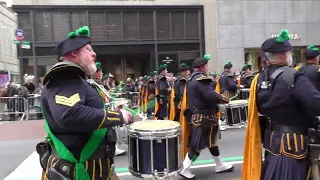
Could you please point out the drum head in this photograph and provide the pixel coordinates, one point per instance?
(238, 102)
(155, 128)
(150, 125)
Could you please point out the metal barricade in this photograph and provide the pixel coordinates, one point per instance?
(11, 108)
(34, 109)
(132, 96)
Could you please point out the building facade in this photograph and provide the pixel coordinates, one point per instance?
(9, 63)
(243, 25)
(131, 38)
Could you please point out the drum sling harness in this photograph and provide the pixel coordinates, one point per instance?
(91, 146)
(288, 76)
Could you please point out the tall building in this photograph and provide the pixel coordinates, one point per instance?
(9, 63)
(243, 25)
(133, 37)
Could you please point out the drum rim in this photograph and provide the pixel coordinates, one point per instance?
(155, 130)
(140, 175)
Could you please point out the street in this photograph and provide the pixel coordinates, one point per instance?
(18, 159)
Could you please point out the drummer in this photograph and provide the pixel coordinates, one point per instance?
(177, 92)
(284, 97)
(76, 120)
(246, 77)
(202, 105)
(162, 93)
(227, 83)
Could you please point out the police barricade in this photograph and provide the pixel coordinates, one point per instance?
(132, 96)
(13, 108)
(34, 109)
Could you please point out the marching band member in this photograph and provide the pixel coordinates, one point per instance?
(141, 101)
(162, 93)
(246, 77)
(177, 92)
(202, 101)
(227, 83)
(80, 142)
(150, 93)
(284, 97)
(97, 76)
(311, 69)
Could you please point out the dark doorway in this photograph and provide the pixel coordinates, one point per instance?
(123, 66)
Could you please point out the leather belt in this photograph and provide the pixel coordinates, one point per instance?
(287, 128)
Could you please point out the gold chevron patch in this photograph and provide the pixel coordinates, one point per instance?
(71, 101)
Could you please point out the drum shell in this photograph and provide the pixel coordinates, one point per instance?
(154, 153)
(244, 93)
(235, 113)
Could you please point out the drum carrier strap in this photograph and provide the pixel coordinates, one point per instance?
(288, 76)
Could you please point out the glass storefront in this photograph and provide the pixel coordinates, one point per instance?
(252, 54)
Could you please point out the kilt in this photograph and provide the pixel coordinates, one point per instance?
(286, 156)
(203, 137)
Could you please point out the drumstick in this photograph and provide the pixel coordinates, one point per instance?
(232, 98)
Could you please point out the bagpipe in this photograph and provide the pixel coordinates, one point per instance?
(114, 102)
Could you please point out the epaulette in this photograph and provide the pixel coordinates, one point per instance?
(203, 78)
(230, 75)
(64, 67)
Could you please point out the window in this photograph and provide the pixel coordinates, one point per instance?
(42, 26)
(78, 19)
(129, 25)
(24, 23)
(61, 25)
(113, 25)
(163, 25)
(177, 24)
(146, 25)
(97, 26)
(192, 24)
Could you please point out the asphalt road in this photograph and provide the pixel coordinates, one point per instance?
(18, 141)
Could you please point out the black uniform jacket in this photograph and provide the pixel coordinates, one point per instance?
(162, 86)
(74, 108)
(178, 87)
(200, 92)
(228, 83)
(313, 74)
(245, 80)
(296, 106)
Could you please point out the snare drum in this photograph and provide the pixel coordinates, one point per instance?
(235, 112)
(244, 93)
(154, 148)
(122, 134)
